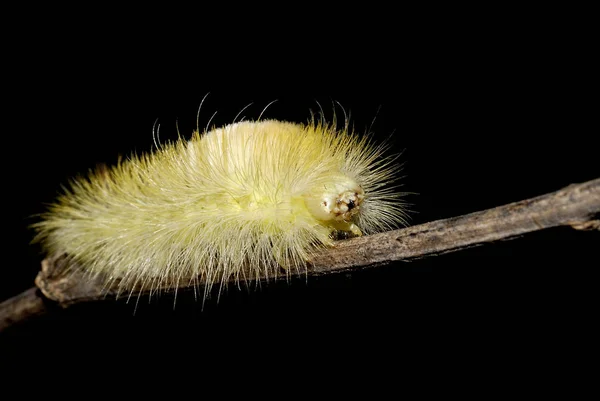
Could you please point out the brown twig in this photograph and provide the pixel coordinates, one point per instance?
(22, 307)
(577, 206)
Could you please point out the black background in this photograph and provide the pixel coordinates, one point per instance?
(486, 111)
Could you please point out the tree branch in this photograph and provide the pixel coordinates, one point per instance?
(577, 206)
(22, 307)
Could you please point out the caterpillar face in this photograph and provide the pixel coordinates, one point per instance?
(339, 202)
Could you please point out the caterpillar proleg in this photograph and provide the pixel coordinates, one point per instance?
(250, 199)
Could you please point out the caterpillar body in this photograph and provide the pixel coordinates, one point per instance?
(251, 199)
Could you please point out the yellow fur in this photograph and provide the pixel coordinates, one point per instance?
(249, 194)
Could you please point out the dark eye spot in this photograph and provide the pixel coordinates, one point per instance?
(351, 204)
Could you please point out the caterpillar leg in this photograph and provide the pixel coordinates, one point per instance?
(349, 227)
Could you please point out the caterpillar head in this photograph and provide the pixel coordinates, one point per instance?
(336, 203)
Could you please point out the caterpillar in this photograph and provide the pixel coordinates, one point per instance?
(247, 200)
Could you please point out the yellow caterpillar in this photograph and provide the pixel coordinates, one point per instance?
(256, 196)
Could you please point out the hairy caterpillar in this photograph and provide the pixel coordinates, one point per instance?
(251, 199)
